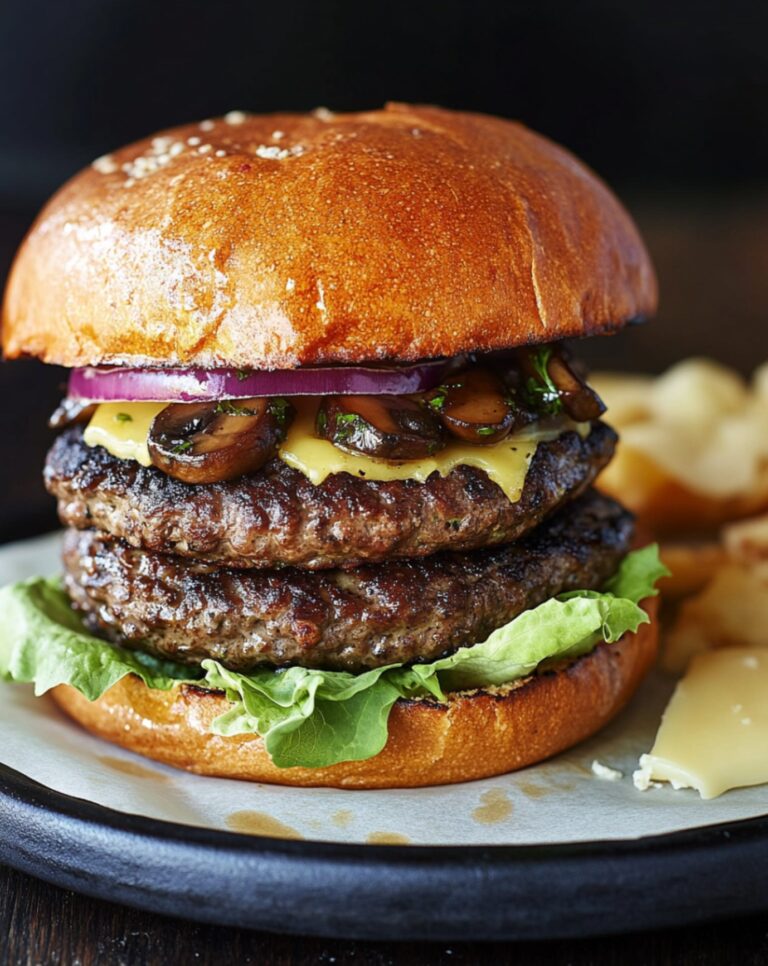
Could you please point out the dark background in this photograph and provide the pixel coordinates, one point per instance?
(666, 100)
(653, 95)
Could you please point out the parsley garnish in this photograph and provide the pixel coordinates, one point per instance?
(124, 417)
(437, 402)
(485, 430)
(279, 408)
(346, 424)
(242, 374)
(438, 396)
(540, 390)
(182, 447)
(226, 407)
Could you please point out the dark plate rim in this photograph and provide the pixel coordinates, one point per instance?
(33, 793)
(389, 892)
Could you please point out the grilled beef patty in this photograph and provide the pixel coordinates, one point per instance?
(277, 517)
(350, 620)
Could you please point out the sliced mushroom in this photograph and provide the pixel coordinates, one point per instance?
(580, 401)
(551, 385)
(474, 406)
(208, 442)
(71, 411)
(386, 427)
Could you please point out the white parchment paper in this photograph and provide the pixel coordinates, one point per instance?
(557, 801)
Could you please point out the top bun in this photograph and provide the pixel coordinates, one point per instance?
(282, 240)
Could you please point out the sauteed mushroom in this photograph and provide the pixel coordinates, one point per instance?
(474, 406)
(208, 442)
(550, 384)
(387, 427)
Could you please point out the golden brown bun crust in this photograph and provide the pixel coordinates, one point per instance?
(475, 736)
(404, 233)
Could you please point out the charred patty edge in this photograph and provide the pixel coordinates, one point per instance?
(401, 611)
(278, 518)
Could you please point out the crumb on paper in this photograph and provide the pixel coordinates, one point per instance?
(642, 777)
(605, 772)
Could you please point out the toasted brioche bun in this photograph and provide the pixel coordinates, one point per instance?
(281, 240)
(476, 735)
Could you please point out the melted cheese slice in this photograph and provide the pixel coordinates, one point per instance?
(714, 733)
(506, 463)
(123, 428)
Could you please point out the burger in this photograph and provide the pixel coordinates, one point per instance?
(326, 455)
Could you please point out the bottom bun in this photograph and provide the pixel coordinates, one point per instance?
(477, 734)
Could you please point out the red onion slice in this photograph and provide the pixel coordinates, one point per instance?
(115, 384)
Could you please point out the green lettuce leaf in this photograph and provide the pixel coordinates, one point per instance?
(318, 718)
(306, 717)
(43, 642)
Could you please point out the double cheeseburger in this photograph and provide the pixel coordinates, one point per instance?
(325, 460)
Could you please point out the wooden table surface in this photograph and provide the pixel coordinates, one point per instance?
(712, 257)
(40, 924)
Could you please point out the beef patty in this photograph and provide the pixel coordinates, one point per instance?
(351, 620)
(277, 517)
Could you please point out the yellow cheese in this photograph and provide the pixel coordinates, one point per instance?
(122, 429)
(714, 733)
(506, 463)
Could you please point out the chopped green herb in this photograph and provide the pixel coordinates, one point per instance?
(226, 407)
(437, 402)
(124, 417)
(242, 374)
(280, 408)
(346, 424)
(182, 447)
(322, 422)
(453, 523)
(540, 390)
(485, 430)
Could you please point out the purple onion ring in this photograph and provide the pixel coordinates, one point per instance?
(117, 384)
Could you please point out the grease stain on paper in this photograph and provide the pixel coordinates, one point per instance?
(536, 790)
(495, 807)
(260, 823)
(387, 838)
(342, 818)
(131, 768)
(532, 790)
(580, 766)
